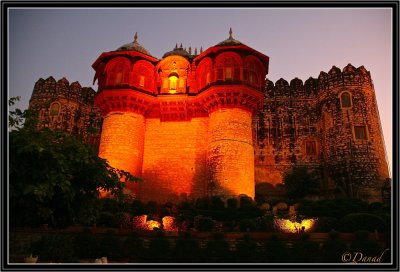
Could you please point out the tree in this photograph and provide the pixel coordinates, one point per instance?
(300, 182)
(54, 177)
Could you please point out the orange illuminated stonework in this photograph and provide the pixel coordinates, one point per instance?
(182, 123)
(202, 124)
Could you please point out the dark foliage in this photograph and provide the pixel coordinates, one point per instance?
(300, 182)
(334, 248)
(217, 250)
(54, 248)
(306, 250)
(275, 251)
(187, 249)
(366, 246)
(361, 221)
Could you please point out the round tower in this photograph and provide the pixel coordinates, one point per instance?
(231, 79)
(125, 89)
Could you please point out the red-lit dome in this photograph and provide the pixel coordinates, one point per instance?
(135, 46)
(230, 40)
(179, 51)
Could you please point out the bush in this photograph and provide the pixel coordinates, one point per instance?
(138, 207)
(361, 221)
(202, 223)
(334, 248)
(85, 245)
(326, 224)
(246, 250)
(232, 203)
(132, 248)
(108, 220)
(305, 250)
(275, 251)
(159, 249)
(187, 249)
(217, 203)
(246, 202)
(247, 225)
(265, 207)
(282, 206)
(265, 223)
(109, 246)
(55, 248)
(217, 249)
(363, 244)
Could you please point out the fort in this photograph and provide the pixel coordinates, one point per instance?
(213, 124)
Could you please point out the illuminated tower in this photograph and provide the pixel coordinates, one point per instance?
(125, 79)
(231, 79)
(182, 123)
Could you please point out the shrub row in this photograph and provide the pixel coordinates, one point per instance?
(61, 248)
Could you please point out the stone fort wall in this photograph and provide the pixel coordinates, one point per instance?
(311, 123)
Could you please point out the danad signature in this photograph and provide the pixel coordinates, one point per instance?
(359, 257)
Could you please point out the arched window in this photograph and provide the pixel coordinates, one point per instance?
(141, 81)
(173, 80)
(228, 73)
(55, 109)
(345, 100)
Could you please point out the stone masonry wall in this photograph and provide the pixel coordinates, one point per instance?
(307, 124)
(122, 141)
(231, 153)
(174, 159)
(76, 113)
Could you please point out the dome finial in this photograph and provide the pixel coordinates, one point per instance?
(230, 33)
(135, 37)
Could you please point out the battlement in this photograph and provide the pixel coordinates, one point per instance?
(50, 88)
(348, 76)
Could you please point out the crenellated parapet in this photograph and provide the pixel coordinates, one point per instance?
(50, 88)
(66, 107)
(330, 121)
(326, 82)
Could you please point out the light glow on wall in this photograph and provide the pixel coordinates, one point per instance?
(140, 223)
(288, 226)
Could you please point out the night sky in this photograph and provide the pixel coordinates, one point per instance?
(299, 42)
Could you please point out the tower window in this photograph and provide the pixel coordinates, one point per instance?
(55, 109)
(311, 148)
(360, 133)
(173, 80)
(228, 73)
(118, 78)
(141, 81)
(208, 78)
(345, 100)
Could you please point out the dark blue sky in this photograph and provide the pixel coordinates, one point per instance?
(299, 42)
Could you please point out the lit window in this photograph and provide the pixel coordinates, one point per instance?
(141, 81)
(253, 78)
(228, 73)
(345, 100)
(208, 78)
(360, 132)
(311, 148)
(172, 83)
(54, 109)
(118, 78)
